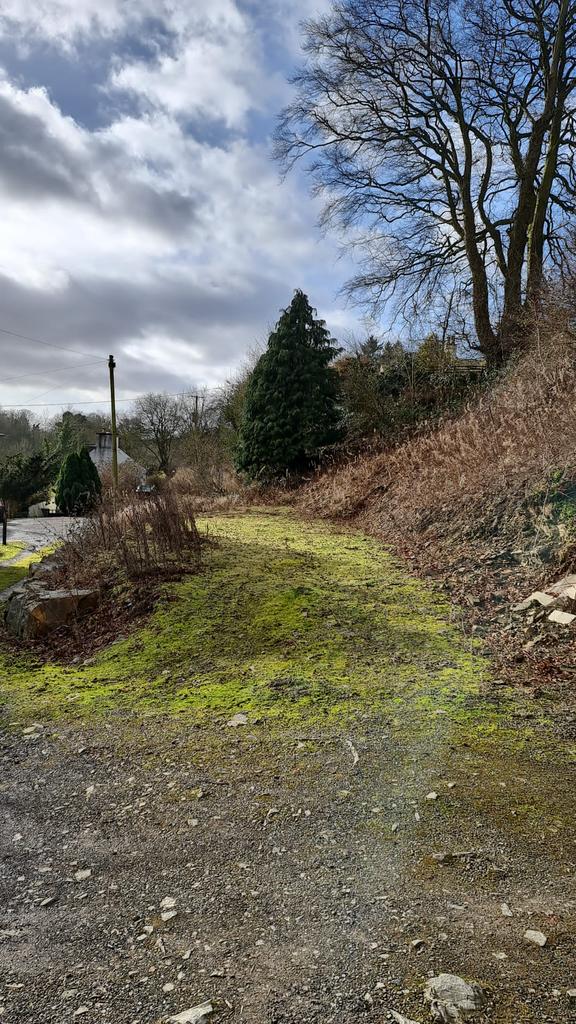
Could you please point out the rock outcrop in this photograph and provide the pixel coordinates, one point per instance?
(32, 609)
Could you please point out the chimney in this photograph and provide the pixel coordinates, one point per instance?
(104, 441)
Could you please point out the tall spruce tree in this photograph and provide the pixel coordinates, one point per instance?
(291, 410)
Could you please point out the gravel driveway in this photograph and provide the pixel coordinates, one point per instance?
(150, 866)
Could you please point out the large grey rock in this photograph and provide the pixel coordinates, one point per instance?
(452, 1000)
(32, 611)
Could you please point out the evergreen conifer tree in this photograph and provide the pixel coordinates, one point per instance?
(292, 402)
(78, 486)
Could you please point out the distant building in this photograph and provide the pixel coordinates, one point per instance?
(101, 455)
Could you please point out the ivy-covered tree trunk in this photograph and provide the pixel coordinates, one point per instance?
(292, 403)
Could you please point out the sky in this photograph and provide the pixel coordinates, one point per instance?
(142, 212)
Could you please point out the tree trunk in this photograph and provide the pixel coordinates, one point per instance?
(555, 106)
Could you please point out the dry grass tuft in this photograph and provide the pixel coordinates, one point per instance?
(132, 539)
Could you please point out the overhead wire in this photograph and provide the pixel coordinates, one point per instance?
(59, 369)
(80, 401)
(49, 344)
(47, 405)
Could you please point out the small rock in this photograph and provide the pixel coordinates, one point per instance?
(168, 987)
(417, 944)
(505, 909)
(168, 903)
(400, 1018)
(497, 872)
(432, 796)
(564, 585)
(535, 937)
(452, 1000)
(238, 719)
(196, 1015)
(168, 915)
(562, 618)
(48, 901)
(541, 597)
(83, 874)
(571, 993)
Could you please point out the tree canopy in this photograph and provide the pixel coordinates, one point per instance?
(25, 478)
(445, 129)
(291, 409)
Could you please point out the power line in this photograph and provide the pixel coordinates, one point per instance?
(101, 401)
(41, 373)
(49, 344)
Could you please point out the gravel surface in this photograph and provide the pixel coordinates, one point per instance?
(150, 865)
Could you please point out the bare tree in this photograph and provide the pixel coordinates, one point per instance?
(154, 427)
(443, 131)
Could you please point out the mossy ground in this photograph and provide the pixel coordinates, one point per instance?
(9, 551)
(292, 622)
(18, 567)
(286, 620)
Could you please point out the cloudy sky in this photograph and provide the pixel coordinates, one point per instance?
(141, 211)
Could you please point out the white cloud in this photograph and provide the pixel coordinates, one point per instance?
(215, 72)
(172, 248)
(64, 21)
(61, 20)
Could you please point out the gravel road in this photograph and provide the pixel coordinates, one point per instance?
(150, 865)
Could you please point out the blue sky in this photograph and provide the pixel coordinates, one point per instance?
(142, 212)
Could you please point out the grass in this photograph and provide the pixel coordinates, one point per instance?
(10, 550)
(17, 570)
(286, 621)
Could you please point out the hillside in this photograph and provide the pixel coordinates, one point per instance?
(484, 501)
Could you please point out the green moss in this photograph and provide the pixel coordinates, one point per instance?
(17, 570)
(286, 620)
(10, 551)
(290, 622)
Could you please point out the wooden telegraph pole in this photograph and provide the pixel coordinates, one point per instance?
(112, 367)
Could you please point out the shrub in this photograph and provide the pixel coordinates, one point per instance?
(78, 486)
(133, 539)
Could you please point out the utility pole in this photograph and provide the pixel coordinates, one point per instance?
(112, 367)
